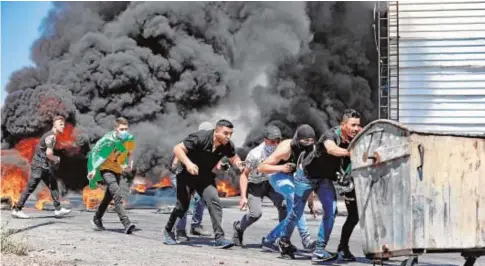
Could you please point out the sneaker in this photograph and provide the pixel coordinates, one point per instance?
(224, 243)
(61, 212)
(269, 246)
(309, 244)
(129, 229)
(98, 224)
(237, 237)
(19, 214)
(182, 236)
(169, 238)
(345, 254)
(199, 231)
(286, 248)
(320, 254)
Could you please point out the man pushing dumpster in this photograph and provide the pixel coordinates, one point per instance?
(317, 171)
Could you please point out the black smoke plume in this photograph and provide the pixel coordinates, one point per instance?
(168, 66)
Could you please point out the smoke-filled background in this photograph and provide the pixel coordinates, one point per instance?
(168, 66)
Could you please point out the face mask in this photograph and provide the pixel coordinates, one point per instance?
(305, 146)
(269, 149)
(124, 135)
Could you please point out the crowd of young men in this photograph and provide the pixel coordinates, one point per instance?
(285, 171)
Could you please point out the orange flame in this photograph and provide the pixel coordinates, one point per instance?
(14, 178)
(141, 188)
(92, 197)
(225, 189)
(164, 182)
(43, 197)
(13, 182)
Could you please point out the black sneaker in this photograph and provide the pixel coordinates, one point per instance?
(169, 238)
(199, 231)
(182, 236)
(98, 224)
(237, 237)
(345, 254)
(286, 248)
(224, 243)
(129, 229)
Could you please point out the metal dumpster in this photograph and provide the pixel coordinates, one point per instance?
(419, 192)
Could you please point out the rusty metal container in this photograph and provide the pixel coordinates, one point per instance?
(419, 192)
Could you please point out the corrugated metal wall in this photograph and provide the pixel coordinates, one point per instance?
(440, 73)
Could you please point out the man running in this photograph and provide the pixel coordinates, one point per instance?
(281, 166)
(42, 168)
(254, 185)
(199, 153)
(317, 171)
(111, 156)
(196, 227)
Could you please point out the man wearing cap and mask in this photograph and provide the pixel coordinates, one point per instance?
(316, 171)
(280, 167)
(254, 185)
(196, 227)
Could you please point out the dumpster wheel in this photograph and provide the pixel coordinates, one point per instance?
(470, 261)
(411, 261)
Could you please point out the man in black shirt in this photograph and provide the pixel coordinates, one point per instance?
(199, 153)
(317, 171)
(42, 168)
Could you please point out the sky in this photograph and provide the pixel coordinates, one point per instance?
(20, 28)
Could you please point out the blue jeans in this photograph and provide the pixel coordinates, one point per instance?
(327, 196)
(283, 184)
(198, 212)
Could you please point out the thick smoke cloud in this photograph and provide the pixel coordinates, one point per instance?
(167, 66)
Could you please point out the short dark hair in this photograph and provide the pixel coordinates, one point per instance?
(224, 123)
(121, 121)
(350, 113)
(58, 117)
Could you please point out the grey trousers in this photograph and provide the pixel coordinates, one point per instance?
(36, 175)
(113, 192)
(256, 193)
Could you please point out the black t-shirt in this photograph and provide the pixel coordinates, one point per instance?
(48, 140)
(199, 146)
(320, 164)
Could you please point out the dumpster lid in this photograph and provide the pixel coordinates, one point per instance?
(403, 127)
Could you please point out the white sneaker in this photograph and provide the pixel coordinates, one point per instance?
(19, 214)
(62, 212)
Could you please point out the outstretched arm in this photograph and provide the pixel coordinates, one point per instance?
(282, 152)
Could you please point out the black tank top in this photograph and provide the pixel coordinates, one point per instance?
(40, 158)
(294, 154)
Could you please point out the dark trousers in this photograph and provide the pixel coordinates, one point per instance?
(256, 193)
(113, 192)
(205, 186)
(351, 221)
(36, 175)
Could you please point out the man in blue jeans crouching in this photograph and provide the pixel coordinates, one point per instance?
(316, 171)
(280, 167)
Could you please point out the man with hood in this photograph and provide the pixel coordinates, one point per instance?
(280, 166)
(316, 171)
(255, 186)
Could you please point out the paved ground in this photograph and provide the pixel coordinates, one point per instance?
(71, 241)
